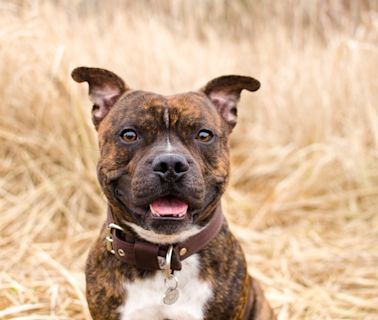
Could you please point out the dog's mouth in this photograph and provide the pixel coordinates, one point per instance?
(168, 207)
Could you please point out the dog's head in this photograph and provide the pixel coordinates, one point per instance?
(163, 159)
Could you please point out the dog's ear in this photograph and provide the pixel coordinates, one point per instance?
(105, 87)
(224, 93)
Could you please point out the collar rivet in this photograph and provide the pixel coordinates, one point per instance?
(121, 252)
(183, 251)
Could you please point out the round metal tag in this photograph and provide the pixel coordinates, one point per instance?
(171, 296)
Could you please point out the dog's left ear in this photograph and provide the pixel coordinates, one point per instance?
(105, 87)
(224, 93)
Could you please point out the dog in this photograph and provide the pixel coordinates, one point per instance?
(165, 250)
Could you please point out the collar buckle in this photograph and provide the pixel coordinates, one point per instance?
(109, 237)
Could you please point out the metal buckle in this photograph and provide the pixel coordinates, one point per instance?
(109, 237)
(165, 264)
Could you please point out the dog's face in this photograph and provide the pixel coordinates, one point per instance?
(163, 159)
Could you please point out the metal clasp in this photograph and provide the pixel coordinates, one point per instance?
(171, 293)
(109, 237)
(165, 264)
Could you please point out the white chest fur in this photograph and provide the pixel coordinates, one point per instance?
(145, 296)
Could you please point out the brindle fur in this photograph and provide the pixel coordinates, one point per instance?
(126, 179)
(222, 263)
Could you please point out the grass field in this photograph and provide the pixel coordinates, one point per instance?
(303, 197)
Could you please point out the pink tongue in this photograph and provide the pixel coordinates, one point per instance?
(168, 206)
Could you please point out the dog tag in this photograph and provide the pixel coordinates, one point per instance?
(171, 296)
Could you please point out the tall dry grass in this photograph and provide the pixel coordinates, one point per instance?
(304, 192)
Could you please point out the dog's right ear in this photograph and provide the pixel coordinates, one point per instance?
(105, 87)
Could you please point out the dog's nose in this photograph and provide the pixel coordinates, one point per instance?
(170, 166)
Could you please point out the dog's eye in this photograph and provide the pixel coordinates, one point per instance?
(204, 136)
(129, 135)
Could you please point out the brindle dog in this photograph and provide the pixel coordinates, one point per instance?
(163, 167)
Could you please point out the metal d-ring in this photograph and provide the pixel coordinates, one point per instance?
(168, 260)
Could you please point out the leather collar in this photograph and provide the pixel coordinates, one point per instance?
(151, 256)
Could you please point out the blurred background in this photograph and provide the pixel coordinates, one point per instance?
(303, 198)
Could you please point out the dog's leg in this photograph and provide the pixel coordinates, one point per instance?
(261, 309)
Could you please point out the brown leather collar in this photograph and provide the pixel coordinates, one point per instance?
(151, 256)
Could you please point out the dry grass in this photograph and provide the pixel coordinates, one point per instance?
(304, 194)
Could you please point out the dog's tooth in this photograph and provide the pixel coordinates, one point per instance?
(153, 211)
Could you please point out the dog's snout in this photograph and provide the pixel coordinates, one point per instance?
(170, 166)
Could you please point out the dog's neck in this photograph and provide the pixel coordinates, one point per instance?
(146, 249)
(159, 238)
(134, 231)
